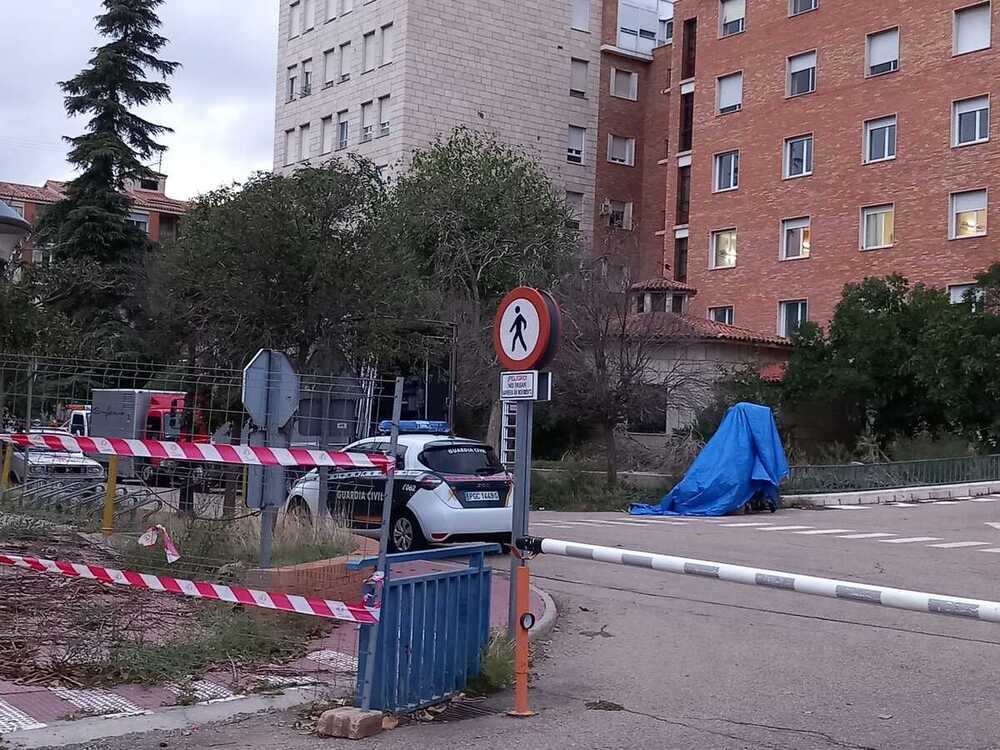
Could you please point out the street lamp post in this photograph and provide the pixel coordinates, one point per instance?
(12, 230)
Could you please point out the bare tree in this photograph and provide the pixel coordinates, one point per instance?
(621, 364)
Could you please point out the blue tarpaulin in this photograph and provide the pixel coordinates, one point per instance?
(744, 457)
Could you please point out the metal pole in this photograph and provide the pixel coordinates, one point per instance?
(8, 459)
(108, 519)
(383, 545)
(322, 506)
(521, 653)
(522, 499)
(31, 388)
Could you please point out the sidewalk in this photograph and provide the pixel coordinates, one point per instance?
(329, 666)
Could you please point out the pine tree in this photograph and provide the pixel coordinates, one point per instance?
(91, 221)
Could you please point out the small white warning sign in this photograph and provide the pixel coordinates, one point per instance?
(519, 386)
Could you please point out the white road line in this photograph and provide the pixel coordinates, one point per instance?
(872, 535)
(944, 502)
(903, 505)
(911, 540)
(995, 550)
(957, 545)
(986, 499)
(785, 528)
(620, 523)
(817, 532)
(552, 526)
(849, 507)
(740, 525)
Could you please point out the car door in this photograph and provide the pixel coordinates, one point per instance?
(355, 495)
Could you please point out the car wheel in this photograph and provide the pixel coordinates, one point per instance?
(405, 534)
(298, 509)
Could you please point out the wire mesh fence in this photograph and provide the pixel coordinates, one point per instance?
(63, 504)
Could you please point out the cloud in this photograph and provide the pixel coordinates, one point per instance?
(222, 108)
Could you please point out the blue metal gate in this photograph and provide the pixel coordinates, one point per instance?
(431, 632)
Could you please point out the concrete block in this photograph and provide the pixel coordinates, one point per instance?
(349, 722)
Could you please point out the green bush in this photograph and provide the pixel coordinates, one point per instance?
(575, 490)
(496, 671)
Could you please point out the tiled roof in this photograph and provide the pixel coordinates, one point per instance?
(667, 285)
(53, 191)
(671, 325)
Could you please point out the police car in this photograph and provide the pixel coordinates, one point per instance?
(447, 489)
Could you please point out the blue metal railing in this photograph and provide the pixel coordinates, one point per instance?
(891, 475)
(431, 631)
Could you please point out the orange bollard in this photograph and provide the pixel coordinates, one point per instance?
(524, 622)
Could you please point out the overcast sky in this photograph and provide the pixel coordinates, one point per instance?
(222, 108)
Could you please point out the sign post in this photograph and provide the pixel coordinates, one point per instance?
(271, 398)
(526, 339)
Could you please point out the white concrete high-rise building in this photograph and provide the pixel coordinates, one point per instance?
(382, 77)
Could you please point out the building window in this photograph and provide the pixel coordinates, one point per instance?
(578, 70)
(343, 129)
(968, 214)
(683, 194)
(329, 67)
(796, 238)
(368, 51)
(308, 15)
(686, 134)
(801, 6)
(680, 259)
(880, 139)
(624, 84)
(367, 121)
(957, 293)
(791, 314)
(18, 208)
(729, 93)
(574, 144)
(878, 226)
(732, 17)
(723, 249)
(386, 45)
(621, 150)
(145, 184)
(802, 74)
(690, 51)
(580, 19)
(972, 28)
(293, 81)
(574, 202)
(721, 314)
(291, 155)
(345, 61)
(637, 26)
(305, 145)
(620, 215)
(327, 133)
(294, 20)
(799, 156)
(971, 121)
(139, 220)
(384, 115)
(307, 77)
(727, 171)
(882, 50)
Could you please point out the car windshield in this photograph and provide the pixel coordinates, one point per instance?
(466, 458)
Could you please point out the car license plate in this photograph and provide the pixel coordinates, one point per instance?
(482, 497)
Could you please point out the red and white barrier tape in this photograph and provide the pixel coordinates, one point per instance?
(303, 605)
(251, 455)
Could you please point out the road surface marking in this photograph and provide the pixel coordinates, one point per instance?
(911, 540)
(873, 535)
(985, 499)
(849, 507)
(817, 532)
(994, 525)
(944, 502)
(903, 505)
(738, 525)
(991, 549)
(957, 545)
(620, 523)
(785, 528)
(550, 525)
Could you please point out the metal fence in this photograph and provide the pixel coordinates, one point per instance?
(891, 475)
(68, 631)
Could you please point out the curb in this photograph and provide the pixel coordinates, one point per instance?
(58, 734)
(548, 621)
(900, 495)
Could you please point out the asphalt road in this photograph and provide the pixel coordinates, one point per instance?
(688, 662)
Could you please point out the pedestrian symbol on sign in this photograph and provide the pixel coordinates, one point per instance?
(518, 330)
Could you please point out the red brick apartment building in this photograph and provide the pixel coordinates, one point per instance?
(151, 209)
(787, 147)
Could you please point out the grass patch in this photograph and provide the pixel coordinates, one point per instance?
(573, 490)
(225, 635)
(496, 671)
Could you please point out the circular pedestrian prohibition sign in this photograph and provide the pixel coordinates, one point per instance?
(525, 332)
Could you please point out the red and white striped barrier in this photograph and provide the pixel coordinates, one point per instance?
(303, 605)
(250, 455)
